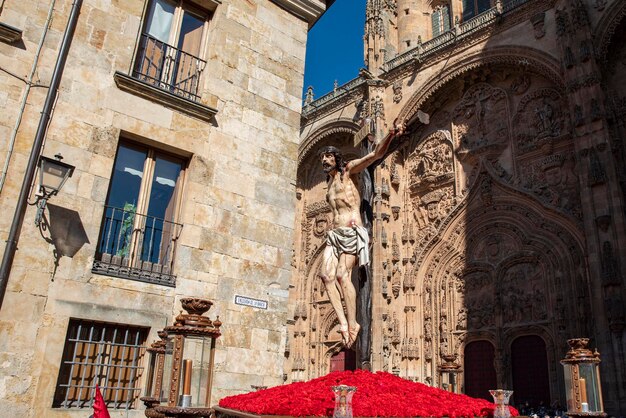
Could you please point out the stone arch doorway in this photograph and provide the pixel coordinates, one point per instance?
(343, 360)
(529, 362)
(480, 373)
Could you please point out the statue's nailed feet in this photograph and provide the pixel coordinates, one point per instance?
(345, 335)
(353, 332)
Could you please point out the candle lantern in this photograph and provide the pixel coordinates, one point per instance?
(188, 354)
(154, 380)
(449, 373)
(153, 394)
(582, 380)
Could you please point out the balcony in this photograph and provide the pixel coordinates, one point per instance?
(167, 75)
(137, 247)
(456, 34)
(168, 68)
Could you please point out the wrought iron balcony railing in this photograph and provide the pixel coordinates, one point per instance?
(424, 50)
(168, 68)
(137, 247)
(328, 97)
(456, 34)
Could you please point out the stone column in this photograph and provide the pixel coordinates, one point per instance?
(599, 188)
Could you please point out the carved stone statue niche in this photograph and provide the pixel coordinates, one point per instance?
(481, 121)
(539, 120)
(431, 164)
(554, 181)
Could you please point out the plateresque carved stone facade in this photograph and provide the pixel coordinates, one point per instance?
(230, 120)
(501, 222)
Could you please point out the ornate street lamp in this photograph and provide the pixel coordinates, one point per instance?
(449, 373)
(181, 364)
(582, 380)
(52, 176)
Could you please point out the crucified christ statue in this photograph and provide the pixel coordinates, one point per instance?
(348, 240)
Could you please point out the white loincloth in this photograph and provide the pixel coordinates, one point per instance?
(350, 240)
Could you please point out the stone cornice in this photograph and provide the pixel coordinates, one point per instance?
(167, 99)
(9, 34)
(333, 100)
(308, 10)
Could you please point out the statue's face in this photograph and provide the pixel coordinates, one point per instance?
(433, 210)
(553, 176)
(329, 163)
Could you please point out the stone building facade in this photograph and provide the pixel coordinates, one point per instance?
(498, 226)
(182, 120)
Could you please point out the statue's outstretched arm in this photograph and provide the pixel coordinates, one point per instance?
(359, 164)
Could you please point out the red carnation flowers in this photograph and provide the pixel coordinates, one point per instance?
(378, 395)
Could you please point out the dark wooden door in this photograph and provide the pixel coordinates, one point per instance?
(480, 373)
(529, 362)
(343, 360)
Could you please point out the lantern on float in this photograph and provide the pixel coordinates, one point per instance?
(582, 380)
(180, 373)
(449, 373)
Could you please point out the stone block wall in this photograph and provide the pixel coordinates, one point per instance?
(238, 200)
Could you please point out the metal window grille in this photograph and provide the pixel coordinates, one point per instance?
(168, 68)
(136, 246)
(103, 354)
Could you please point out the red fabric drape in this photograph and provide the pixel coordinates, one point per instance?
(99, 407)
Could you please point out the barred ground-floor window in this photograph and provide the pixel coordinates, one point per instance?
(105, 354)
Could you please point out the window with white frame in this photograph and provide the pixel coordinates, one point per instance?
(104, 354)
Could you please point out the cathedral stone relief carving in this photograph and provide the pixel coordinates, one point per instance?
(520, 84)
(431, 165)
(440, 280)
(321, 225)
(554, 181)
(494, 247)
(431, 179)
(479, 301)
(397, 91)
(538, 22)
(314, 227)
(523, 294)
(480, 121)
(539, 120)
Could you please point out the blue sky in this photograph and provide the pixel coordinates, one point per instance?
(335, 47)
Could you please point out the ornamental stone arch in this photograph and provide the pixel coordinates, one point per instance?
(339, 126)
(552, 353)
(513, 247)
(606, 28)
(531, 59)
(473, 206)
